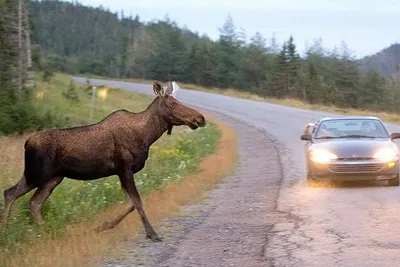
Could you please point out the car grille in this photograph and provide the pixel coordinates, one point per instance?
(354, 158)
(356, 168)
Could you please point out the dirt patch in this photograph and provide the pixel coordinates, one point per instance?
(82, 246)
(232, 227)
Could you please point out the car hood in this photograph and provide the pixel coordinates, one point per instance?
(349, 148)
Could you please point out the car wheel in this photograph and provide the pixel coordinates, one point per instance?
(394, 181)
(310, 181)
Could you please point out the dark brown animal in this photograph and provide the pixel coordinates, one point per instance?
(117, 145)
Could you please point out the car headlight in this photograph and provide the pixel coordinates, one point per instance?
(322, 156)
(386, 154)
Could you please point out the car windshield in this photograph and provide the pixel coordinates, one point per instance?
(351, 128)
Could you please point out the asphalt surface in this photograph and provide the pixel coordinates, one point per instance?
(328, 226)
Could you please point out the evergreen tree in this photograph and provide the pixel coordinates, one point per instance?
(292, 68)
(228, 54)
(6, 57)
(71, 92)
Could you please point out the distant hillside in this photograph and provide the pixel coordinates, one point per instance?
(81, 39)
(384, 62)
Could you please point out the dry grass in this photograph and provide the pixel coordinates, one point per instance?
(10, 159)
(386, 116)
(82, 247)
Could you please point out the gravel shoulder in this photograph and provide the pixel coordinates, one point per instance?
(231, 227)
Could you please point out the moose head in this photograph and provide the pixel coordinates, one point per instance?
(174, 112)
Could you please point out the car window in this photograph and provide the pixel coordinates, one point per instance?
(368, 128)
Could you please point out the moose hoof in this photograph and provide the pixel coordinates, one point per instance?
(154, 237)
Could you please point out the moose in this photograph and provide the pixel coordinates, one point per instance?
(117, 145)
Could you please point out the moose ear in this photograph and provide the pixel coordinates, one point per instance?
(175, 87)
(157, 88)
(169, 88)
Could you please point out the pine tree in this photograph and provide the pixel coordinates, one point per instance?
(6, 57)
(255, 63)
(71, 92)
(292, 68)
(228, 54)
(279, 74)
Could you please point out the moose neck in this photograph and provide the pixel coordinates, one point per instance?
(154, 124)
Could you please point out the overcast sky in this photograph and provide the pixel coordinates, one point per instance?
(364, 25)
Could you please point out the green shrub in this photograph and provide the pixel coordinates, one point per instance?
(24, 116)
(47, 75)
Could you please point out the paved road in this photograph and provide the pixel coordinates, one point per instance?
(345, 226)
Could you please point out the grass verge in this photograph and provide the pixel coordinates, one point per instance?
(75, 205)
(81, 246)
(386, 116)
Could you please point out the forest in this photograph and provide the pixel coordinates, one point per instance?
(57, 36)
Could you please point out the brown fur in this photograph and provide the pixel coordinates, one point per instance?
(117, 145)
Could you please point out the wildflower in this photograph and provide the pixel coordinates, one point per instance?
(182, 165)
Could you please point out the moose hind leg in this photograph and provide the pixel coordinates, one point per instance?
(111, 224)
(40, 196)
(128, 183)
(13, 193)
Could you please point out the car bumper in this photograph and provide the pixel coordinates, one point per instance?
(354, 170)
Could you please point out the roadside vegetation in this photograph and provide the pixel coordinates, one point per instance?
(80, 245)
(74, 202)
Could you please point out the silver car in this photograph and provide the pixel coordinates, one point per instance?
(351, 148)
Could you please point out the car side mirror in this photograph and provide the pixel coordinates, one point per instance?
(395, 136)
(307, 137)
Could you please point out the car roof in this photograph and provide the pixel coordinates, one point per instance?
(350, 118)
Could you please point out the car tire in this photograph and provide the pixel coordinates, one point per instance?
(394, 181)
(310, 181)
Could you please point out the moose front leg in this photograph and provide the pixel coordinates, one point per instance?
(128, 183)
